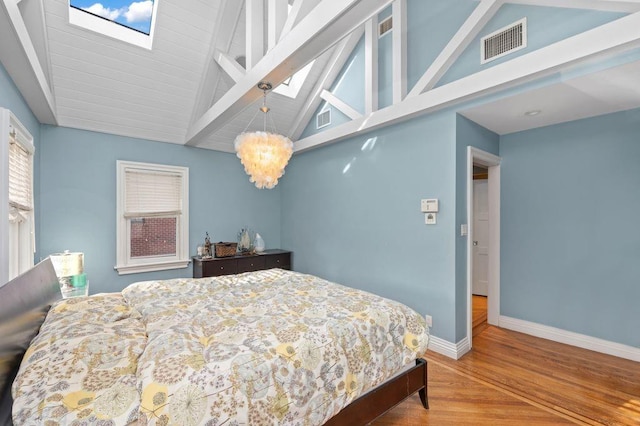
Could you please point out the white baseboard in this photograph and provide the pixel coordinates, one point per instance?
(570, 338)
(447, 348)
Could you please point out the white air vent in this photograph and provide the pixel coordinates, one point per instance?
(385, 26)
(504, 41)
(323, 118)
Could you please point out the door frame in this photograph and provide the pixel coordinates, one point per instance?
(492, 163)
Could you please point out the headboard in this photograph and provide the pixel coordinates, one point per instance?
(24, 303)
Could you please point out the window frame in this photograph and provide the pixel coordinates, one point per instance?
(125, 263)
(15, 260)
(106, 27)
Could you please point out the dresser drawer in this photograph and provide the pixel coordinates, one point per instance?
(278, 261)
(220, 267)
(253, 263)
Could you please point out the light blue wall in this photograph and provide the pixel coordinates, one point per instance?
(468, 133)
(349, 87)
(78, 199)
(430, 26)
(351, 214)
(569, 208)
(546, 25)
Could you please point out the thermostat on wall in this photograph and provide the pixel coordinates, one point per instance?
(429, 205)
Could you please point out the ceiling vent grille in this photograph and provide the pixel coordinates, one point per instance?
(323, 118)
(385, 26)
(504, 41)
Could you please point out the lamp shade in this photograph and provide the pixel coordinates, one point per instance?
(68, 264)
(264, 156)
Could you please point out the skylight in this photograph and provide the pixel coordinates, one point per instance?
(292, 85)
(126, 20)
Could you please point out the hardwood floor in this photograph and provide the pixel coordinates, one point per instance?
(479, 314)
(510, 378)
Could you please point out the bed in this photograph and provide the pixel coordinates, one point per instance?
(265, 347)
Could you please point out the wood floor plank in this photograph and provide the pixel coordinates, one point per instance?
(510, 378)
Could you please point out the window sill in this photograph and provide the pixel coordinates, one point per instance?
(151, 267)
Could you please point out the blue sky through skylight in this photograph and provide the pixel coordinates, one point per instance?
(132, 14)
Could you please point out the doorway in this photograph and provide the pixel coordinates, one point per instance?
(483, 240)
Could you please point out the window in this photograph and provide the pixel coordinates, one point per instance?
(126, 20)
(18, 218)
(153, 217)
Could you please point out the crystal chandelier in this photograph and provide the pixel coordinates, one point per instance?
(264, 155)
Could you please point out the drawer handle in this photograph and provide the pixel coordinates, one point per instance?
(222, 267)
(252, 264)
(278, 261)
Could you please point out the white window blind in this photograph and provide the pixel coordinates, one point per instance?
(20, 176)
(152, 193)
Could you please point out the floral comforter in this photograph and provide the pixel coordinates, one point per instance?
(261, 348)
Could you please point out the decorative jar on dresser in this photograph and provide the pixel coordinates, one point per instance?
(217, 266)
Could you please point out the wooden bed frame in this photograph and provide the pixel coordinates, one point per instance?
(375, 403)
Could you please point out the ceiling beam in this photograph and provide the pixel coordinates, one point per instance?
(467, 32)
(321, 29)
(226, 24)
(341, 105)
(19, 57)
(624, 6)
(299, 10)
(329, 74)
(399, 50)
(230, 66)
(601, 42)
(254, 10)
(277, 11)
(371, 88)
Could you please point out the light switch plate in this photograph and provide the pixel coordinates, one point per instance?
(429, 205)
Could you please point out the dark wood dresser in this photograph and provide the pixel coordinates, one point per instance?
(241, 263)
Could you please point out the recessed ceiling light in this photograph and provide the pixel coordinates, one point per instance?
(532, 112)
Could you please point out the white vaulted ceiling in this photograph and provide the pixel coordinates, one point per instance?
(108, 85)
(189, 89)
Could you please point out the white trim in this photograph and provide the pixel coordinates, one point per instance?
(571, 338)
(299, 10)
(448, 349)
(612, 38)
(229, 66)
(316, 33)
(329, 74)
(371, 65)
(254, 32)
(127, 265)
(338, 103)
(277, 11)
(158, 266)
(20, 59)
(458, 43)
(624, 6)
(492, 162)
(111, 29)
(399, 50)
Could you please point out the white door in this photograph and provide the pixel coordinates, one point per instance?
(480, 280)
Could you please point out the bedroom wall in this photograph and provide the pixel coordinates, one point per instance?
(78, 199)
(351, 214)
(569, 208)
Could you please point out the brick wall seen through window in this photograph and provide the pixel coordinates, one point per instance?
(153, 236)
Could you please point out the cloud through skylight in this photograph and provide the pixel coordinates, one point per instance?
(136, 15)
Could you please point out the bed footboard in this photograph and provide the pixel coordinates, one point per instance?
(383, 398)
